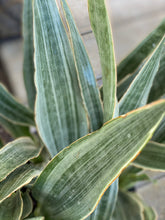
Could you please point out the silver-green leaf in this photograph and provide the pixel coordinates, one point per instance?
(74, 181)
(60, 114)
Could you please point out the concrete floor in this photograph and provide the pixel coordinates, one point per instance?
(131, 22)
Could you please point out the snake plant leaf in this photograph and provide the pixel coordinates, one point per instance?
(107, 204)
(12, 110)
(27, 205)
(28, 63)
(131, 180)
(1, 143)
(86, 76)
(74, 181)
(152, 152)
(102, 30)
(159, 135)
(137, 94)
(12, 207)
(36, 218)
(158, 88)
(127, 208)
(15, 154)
(149, 213)
(17, 179)
(60, 114)
(13, 129)
(133, 60)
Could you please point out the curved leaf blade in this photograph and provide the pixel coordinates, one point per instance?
(127, 208)
(152, 157)
(17, 179)
(102, 30)
(14, 129)
(133, 60)
(28, 64)
(15, 154)
(14, 111)
(85, 72)
(12, 207)
(74, 181)
(149, 213)
(36, 218)
(27, 204)
(159, 135)
(60, 113)
(137, 94)
(107, 204)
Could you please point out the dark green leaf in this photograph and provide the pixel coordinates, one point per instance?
(152, 157)
(28, 65)
(13, 129)
(137, 93)
(159, 135)
(11, 208)
(12, 110)
(27, 204)
(134, 59)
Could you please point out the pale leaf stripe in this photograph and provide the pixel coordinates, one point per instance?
(60, 113)
(17, 179)
(85, 72)
(15, 154)
(12, 110)
(137, 93)
(152, 157)
(102, 30)
(74, 181)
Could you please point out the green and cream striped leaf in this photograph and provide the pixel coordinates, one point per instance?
(15, 154)
(27, 205)
(149, 213)
(158, 88)
(85, 72)
(134, 59)
(159, 135)
(60, 114)
(107, 204)
(131, 180)
(137, 93)
(11, 208)
(17, 179)
(102, 30)
(152, 157)
(28, 63)
(36, 218)
(1, 143)
(12, 110)
(127, 208)
(13, 129)
(74, 181)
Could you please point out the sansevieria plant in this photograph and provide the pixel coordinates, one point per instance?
(79, 148)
